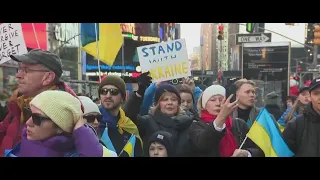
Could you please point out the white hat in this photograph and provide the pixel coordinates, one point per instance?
(89, 105)
(211, 91)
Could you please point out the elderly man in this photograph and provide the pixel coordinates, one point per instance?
(38, 71)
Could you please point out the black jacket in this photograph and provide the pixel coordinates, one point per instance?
(177, 126)
(205, 138)
(302, 134)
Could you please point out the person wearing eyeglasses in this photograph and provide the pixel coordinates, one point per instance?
(117, 128)
(57, 128)
(38, 71)
(92, 113)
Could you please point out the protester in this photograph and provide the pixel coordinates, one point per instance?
(246, 94)
(272, 104)
(92, 113)
(148, 100)
(167, 115)
(187, 100)
(160, 145)
(116, 127)
(290, 100)
(301, 133)
(57, 129)
(217, 134)
(297, 108)
(38, 71)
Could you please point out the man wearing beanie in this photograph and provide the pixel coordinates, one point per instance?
(271, 103)
(38, 71)
(57, 129)
(301, 133)
(117, 128)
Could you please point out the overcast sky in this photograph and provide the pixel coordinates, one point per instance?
(191, 33)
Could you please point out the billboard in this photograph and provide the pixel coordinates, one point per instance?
(236, 58)
(268, 65)
(30, 38)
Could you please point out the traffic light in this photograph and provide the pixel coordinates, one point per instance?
(220, 36)
(316, 35)
(250, 27)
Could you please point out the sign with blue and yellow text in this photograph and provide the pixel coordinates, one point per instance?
(165, 61)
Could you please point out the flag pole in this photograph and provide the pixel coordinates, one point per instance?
(35, 34)
(122, 59)
(243, 142)
(97, 48)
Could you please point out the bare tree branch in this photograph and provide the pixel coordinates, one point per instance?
(65, 42)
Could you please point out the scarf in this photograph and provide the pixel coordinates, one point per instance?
(23, 102)
(227, 144)
(123, 124)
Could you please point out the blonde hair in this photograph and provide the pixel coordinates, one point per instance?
(241, 82)
(296, 107)
(157, 104)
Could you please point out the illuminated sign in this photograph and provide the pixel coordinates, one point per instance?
(127, 74)
(110, 68)
(128, 28)
(149, 39)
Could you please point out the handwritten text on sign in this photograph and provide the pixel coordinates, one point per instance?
(165, 61)
(11, 41)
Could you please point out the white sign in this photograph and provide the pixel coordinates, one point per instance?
(11, 41)
(165, 61)
(253, 39)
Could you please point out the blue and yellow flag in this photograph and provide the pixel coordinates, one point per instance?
(265, 134)
(129, 147)
(108, 36)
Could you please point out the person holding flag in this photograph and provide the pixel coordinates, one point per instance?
(217, 134)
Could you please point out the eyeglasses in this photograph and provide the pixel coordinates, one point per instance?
(113, 92)
(92, 118)
(38, 119)
(25, 70)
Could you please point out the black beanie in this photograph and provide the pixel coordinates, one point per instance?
(166, 88)
(164, 138)
(115, 81)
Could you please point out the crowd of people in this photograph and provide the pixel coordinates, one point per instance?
(45, 117)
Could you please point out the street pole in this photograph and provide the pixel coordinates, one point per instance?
(315, 59)
(202, 60)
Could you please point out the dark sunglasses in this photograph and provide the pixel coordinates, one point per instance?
(27, 113)
(38, 119)
(92, 118)
(112, 91)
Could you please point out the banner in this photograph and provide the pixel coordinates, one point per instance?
(165, 61)
(11, 41)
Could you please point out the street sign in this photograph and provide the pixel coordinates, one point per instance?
(253, 38)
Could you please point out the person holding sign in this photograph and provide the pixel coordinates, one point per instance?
(38, 71)
(167, 115)
(217, 134)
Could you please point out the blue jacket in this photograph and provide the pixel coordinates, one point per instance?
(148, 98)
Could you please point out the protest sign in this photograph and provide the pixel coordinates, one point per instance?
(165, 61)
(11, 41)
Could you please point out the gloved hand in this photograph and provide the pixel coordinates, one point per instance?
(143, 82)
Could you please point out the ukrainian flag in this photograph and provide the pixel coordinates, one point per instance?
(265, 134)
(280, 127)
(110, 40)
(129, 147)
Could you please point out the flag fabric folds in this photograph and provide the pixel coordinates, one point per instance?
(129, 147)
(109, 39)
(265, 134)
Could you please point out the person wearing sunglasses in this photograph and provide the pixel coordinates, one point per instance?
(92, 113)
(38, 71)
(57, 128)
(117, 128)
